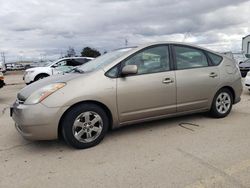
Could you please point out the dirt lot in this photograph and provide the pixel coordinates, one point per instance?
(211, 153)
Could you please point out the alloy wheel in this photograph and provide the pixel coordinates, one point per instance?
(223, 102)
(87, 126)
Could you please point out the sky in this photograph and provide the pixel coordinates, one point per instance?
(44, 29)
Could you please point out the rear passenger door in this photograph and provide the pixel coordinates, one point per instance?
(196, 79)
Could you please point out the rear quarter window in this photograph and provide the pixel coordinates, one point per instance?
(216, 59)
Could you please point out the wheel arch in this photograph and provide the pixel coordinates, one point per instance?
(231, 90)
(41, 74)
(103, 106)
(225, 87)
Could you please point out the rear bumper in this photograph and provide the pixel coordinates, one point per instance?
(37, 122)
(238, 89)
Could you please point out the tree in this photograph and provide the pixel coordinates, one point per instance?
(71, 52)
(90, 52)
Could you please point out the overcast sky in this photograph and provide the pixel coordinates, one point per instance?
(34, 28)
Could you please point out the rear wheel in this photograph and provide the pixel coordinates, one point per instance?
(85, 126)
(222, 103)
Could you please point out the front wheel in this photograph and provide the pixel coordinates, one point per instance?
(85, 126)
(222, 103)
(41, 76)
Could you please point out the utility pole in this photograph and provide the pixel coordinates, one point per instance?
(61, 54)
(126, 42)
(3, 57)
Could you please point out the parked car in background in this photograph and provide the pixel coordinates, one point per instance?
(10, 66)
(19, 66)
(239, 57)
(2, 67)
(247, 81)
(244, 67)
(40, 64)
(1, 80)
(126, 86)
(14, 66)
(229, 54)
(51, 68)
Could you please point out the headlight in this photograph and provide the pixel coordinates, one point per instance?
(43, 93)
(30, 72)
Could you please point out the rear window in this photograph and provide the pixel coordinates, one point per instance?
(82, 61)
(216, 59)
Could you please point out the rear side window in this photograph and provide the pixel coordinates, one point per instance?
(216, 59)
(188, 58)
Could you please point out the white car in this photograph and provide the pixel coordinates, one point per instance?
(51, 68)
(1, 80)
(2, 67)
(247, 81)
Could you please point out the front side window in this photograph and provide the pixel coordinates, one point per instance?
(150, 60)
(188, 57)
(60, 63)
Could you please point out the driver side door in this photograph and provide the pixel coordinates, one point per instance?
(152, 91)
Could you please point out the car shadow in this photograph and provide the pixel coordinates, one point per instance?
(124, 131)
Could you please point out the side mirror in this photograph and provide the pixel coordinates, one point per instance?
(129, 69)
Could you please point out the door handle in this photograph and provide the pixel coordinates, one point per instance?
(213, 75)
(167, 81)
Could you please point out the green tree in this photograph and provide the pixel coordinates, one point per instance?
(90, 52)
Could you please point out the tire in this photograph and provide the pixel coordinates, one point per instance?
(40, 76)
(85, 125)
(222, 103)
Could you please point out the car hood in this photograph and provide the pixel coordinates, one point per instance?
(36, 68)
(28, 90)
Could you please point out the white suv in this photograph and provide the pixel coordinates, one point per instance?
(51, 68)
(2, 67)
(247, 81)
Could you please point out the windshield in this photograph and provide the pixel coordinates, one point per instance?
(46, 64)
(102, 61)
(247, 61)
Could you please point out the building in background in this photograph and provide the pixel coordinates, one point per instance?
(246, 45)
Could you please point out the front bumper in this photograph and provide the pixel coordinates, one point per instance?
(36, 122)
(28, 78)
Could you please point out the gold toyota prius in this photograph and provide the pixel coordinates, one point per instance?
(127, 86)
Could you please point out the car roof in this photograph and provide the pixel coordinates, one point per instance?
(177, 43)
(145, 45)
(65, 58)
